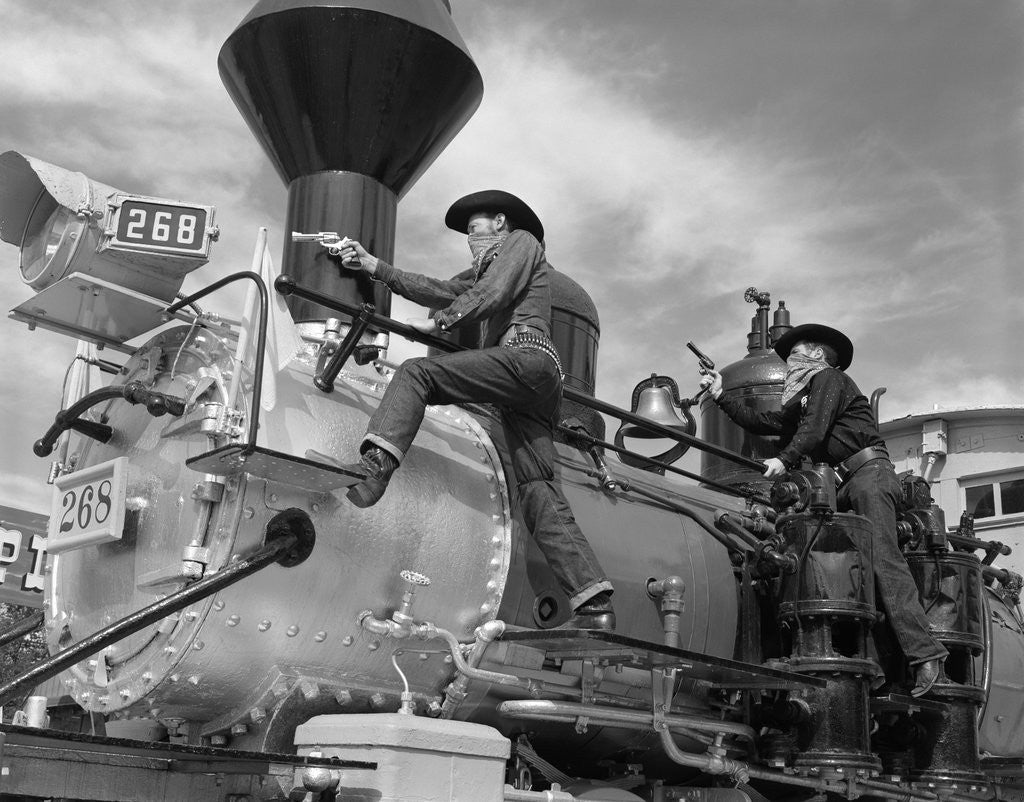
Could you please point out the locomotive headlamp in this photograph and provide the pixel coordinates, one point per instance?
(103, 262)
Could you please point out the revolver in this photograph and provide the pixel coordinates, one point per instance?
(705, 361)
(329, 239)
(705, 365)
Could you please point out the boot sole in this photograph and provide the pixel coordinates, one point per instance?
(366, 494)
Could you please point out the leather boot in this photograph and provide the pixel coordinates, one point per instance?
(926, 676)
(378, 465)
(595, 613)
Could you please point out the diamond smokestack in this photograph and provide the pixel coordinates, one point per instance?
(352, 101)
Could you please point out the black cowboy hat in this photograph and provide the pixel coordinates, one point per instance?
(817, 333)
(494, 201)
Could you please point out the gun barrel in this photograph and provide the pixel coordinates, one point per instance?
(325, 237)
(704, 359)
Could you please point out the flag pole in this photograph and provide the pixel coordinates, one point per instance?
(248, 311)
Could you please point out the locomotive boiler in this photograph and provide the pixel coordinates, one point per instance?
(410, 650)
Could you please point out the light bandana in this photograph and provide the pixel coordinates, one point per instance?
(800, 371)
(484, 245)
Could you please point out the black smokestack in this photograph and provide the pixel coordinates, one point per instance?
(352, 101)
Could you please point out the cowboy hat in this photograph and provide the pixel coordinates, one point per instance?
(495, 201)
(817, 333)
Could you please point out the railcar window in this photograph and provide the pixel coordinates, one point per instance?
(1012, 496)
(995, 498)
(981, 501)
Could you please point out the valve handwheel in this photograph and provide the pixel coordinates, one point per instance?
(414, 578)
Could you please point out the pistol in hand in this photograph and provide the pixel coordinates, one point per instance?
(705, 361)
(331, 240)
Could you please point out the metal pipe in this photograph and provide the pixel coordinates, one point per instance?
(517, 795)
(549, 710)
(130, 624)
(675, 507)
(594, 442)
(261, 337)
(134, 392)
(670, 590)
(286, 286)
(431, 631)
(875, 395)
(726, 521)
(899, 792)
(842, 787)
(455, 693)
(978, 543)
(29, 623)
(787, 562)
(707, 763)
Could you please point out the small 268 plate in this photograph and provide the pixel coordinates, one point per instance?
(88, 506)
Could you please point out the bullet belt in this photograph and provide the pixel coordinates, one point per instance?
(536, 342)
(849, 466)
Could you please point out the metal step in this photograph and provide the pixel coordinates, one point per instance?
(276, 466)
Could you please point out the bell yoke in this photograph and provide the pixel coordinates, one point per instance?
(826, 418)
(506, 290)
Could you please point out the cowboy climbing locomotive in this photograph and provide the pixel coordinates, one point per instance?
(241, 630)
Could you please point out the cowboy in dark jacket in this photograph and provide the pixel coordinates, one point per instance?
(826, 418)
(506, 289)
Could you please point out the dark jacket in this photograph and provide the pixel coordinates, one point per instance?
(510, 288)
(829, 423)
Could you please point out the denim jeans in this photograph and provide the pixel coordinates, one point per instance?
(873, 492)
(525, 384)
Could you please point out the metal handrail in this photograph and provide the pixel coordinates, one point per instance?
(21, 628)
(272, 552)
(261, 338)
(286, 285)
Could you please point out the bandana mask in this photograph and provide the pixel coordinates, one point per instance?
(484, 245)
(800, 371)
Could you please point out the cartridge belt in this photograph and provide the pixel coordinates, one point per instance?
(529, 339)
(849, 466)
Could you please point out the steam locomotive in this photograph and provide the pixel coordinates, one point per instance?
(409, 650)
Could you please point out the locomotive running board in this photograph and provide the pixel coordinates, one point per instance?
(611, 649)
(900, 703)
(238, 458)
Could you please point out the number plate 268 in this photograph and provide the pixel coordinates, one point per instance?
(88, 506)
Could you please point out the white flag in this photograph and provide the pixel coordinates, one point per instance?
(283, 341)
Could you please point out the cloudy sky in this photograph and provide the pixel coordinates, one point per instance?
(861, 161)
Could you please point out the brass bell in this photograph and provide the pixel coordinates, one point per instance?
(657, 400)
